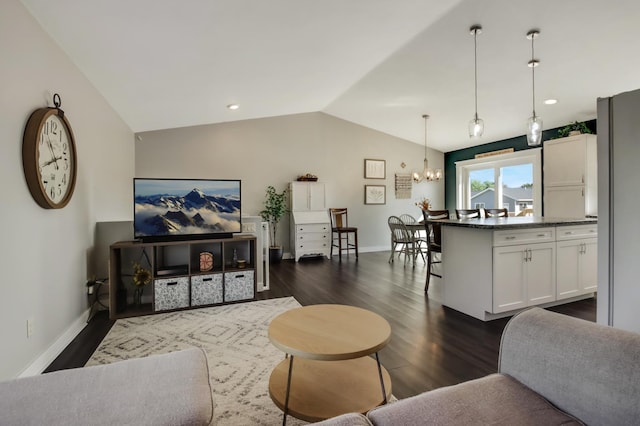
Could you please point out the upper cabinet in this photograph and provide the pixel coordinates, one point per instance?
(570, 176)
(307, 196)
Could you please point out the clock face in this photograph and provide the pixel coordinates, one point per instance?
(55, 159)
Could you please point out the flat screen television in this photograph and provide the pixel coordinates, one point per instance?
(182, 209)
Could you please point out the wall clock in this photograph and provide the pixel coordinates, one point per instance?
(206, 261)
(49, 156)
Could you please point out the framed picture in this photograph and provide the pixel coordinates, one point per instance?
(374, 169)
(375, 194)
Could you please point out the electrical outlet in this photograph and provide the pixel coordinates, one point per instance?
(29, 328)
(249, 227)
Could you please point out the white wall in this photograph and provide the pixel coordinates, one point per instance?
(275, 151)
(43, 253)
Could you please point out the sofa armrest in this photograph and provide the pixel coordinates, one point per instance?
(168, 389)
(588, 370)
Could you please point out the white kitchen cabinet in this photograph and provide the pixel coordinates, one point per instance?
(570, 176)
(307, 196)
(523, 275)
(564, 201)
(577, 264)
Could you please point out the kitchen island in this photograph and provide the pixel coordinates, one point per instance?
(495, 267)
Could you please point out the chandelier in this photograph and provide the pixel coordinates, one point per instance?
(427, 173)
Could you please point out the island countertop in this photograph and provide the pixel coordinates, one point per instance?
(495, 267)
(498, 223)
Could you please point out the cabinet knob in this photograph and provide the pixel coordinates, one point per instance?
(510, 237)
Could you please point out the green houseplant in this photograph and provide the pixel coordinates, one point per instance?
(573, 127)
(274, 210)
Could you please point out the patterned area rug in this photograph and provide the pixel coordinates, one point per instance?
(235, 339)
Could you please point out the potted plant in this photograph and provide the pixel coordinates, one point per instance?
(572, 129)
(274, 210)
(423, 203)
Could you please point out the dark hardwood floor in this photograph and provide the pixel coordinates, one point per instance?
(431, 345)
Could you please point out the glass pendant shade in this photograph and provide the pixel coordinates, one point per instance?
(534, 131)
(476, 127)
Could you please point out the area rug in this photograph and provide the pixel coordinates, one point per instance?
(235, 339)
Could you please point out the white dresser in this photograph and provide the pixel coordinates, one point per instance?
(310, 222)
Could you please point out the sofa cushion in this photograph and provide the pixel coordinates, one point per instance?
(170, 389)
(586, 369)
(351, 419)
(495, 399)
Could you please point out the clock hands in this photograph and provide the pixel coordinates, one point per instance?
(53, 155)
(53, 160)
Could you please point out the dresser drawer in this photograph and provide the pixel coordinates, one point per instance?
(313, 227)
(206, 289)
(171, 293)
(238, 286)
(312, 245)
(528, 236)
(312, 236)
(576, 232)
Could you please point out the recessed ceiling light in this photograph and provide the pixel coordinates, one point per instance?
(233, 107)
(551, 101)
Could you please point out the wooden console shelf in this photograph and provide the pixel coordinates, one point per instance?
(177, 282)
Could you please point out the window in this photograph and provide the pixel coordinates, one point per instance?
(478, 206)
(512, 181)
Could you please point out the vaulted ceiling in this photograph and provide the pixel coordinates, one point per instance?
(379, 63)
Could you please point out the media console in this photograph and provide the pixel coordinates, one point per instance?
(178, 278)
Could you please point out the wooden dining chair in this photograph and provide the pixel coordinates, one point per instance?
(420, 240)
(467, 213)
(434, 240)
(403, 237)
(496, 212)
(340, 232)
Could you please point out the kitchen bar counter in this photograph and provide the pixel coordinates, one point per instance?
(495, 267)
(516, 222)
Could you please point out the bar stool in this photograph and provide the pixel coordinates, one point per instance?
(340, 230)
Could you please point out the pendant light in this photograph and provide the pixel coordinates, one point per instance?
(427, 173)
(476, 125)
(534, 125)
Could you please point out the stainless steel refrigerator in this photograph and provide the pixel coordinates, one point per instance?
(619, 210)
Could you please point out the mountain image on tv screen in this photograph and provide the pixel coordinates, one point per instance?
(174, 207)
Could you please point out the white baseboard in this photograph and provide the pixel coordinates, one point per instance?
(48, 356)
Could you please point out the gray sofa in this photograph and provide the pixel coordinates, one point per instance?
(552, 370)
(170, 389)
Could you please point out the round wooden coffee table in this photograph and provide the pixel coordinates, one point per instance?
(332, 373)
